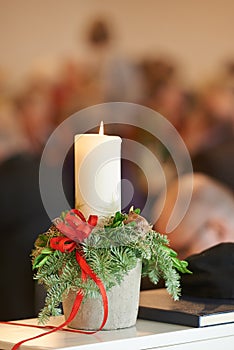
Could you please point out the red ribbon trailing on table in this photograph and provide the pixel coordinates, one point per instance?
(77, 230)
(86, 272)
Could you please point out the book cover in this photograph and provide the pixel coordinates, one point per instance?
(158, 305)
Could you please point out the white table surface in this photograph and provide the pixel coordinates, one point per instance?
(145, 335)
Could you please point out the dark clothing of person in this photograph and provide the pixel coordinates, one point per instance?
(213, 271)
(22, 218)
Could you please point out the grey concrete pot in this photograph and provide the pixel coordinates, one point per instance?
(123, 302)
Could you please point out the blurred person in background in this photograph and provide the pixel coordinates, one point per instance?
(217, 162)
(22, 217)
(165, 95)
(118, 78)
(73, 90)
(164, 90)
(208, 221)
(209, 134)
(36, 114)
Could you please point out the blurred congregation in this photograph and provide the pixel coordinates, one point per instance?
(203, 115)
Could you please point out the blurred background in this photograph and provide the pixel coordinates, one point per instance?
(197, 35)
(60, 56)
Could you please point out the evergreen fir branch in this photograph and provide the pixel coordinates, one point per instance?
(123, 258)
(112, 236)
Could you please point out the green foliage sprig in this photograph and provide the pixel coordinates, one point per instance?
(112, 249)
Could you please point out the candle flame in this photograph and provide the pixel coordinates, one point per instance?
(101, 130)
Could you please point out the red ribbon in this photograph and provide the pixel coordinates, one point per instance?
(86, 271)
(64, 244)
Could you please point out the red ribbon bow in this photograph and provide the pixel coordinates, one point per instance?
(75, 225)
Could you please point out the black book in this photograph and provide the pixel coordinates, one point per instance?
(158, 305)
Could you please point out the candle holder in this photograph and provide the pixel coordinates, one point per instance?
(123, 301)
(94, 267)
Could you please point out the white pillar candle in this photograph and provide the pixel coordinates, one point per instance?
(97, 174)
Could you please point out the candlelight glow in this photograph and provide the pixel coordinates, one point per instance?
(101, 130)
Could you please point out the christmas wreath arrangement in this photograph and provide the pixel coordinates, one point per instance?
(77, 255)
